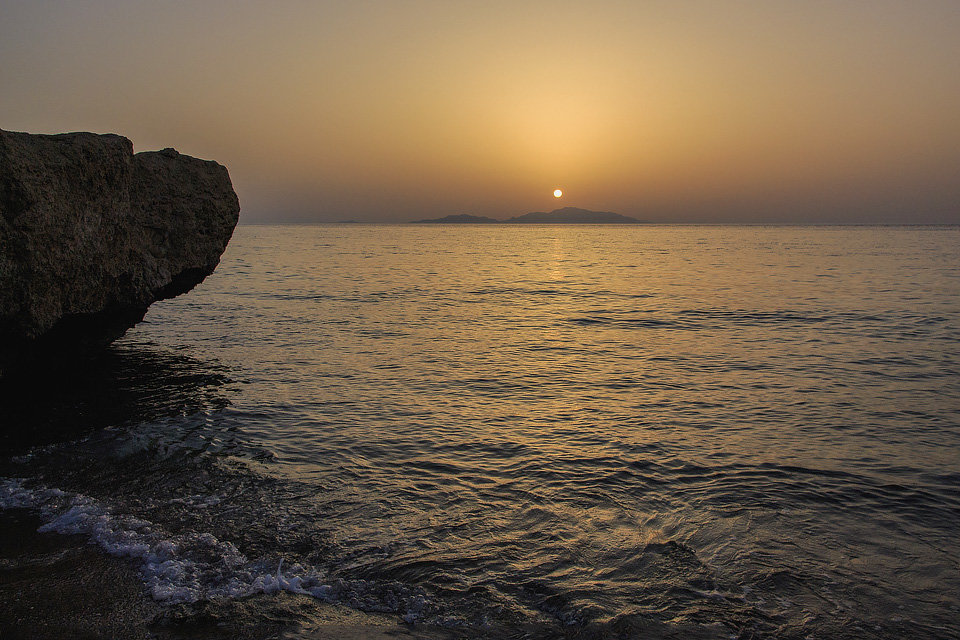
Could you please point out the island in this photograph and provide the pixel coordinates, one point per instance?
(462, 218)
(566, 215)
(573, 215)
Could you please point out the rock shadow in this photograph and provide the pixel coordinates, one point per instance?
(127, 383)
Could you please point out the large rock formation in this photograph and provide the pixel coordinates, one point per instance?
(91, 234)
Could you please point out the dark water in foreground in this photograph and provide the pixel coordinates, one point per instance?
(591, 431)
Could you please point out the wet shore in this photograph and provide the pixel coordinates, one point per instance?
(55, 586)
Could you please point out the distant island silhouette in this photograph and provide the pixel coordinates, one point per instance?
(461, 218)
(573, 215)
(566, 215)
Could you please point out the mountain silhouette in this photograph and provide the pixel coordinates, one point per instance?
(461, 218)
(573, 215)
(566, 215)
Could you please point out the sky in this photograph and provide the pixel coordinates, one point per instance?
(675, 111)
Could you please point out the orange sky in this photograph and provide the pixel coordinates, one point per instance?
(669, 111)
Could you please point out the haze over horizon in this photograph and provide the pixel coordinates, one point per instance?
(755, 111)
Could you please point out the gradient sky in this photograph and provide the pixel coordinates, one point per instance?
(766, 110)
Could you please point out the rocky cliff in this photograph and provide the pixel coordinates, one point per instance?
(91, 234)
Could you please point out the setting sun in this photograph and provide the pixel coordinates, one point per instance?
(557, 193)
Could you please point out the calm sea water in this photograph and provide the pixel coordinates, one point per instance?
(596, 431)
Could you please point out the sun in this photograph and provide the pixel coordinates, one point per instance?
(557, 193)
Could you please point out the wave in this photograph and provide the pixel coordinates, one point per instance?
(909, 325)
(194, 566)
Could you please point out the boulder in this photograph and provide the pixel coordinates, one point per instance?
(91, 234)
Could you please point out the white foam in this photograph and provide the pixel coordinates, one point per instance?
(196, 566)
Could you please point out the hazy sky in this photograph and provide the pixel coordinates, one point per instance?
(765, 110)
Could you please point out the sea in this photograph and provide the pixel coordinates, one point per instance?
(537, 431)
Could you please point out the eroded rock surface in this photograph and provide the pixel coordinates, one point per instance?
(91, 234)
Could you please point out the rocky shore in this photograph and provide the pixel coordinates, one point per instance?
(54, 586)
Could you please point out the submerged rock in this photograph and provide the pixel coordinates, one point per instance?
(91, 234)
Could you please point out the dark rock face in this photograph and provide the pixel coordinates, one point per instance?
(91, 235)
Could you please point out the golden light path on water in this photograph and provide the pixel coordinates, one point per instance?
(601, 422)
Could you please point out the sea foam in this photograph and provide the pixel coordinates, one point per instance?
(194, 566)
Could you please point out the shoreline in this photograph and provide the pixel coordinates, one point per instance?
(60, 586)
(55, 586)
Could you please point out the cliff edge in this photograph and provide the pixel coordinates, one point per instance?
(91, 234)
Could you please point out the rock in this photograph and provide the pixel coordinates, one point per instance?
(91, 234)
